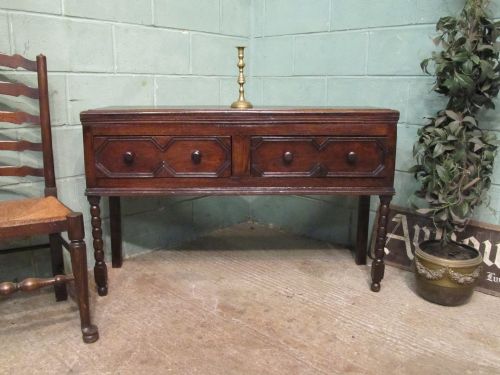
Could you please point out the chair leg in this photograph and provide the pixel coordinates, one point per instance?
(78, 252)
(56, 255)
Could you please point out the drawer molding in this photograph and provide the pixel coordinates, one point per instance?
(162, 167)
(317, 168)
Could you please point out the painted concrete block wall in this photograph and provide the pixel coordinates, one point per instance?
(351, 53)
(123, 52)
(176, 52)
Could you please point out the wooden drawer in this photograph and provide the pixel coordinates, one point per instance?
(299, 156)
(162, 156)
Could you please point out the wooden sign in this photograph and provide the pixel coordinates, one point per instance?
(405, 229)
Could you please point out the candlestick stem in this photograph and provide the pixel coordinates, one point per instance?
(241, 103)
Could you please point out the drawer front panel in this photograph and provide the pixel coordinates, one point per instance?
(162, 156)
(318, 156)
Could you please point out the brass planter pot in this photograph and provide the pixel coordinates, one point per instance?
(446, 282)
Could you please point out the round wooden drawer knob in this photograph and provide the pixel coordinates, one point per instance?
(128, 157)
(352, 157)
(287, 157)
(196, 157)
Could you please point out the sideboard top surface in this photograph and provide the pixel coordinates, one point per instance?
(217, 112)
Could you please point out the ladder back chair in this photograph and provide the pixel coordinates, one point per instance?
(45, 215)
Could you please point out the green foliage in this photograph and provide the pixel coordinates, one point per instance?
(454, 166)
(454, 156)
(467, 69)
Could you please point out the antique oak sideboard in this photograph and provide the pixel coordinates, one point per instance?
(221, 151)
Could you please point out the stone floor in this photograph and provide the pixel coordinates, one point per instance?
(250, 300)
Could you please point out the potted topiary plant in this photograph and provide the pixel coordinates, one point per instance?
(454, 155)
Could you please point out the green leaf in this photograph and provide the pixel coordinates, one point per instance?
(477, 141)
(454, 127)
(440, 120)
(442, 173)
(461, 57)
(449, 147)
(470, 120)
(424, 65)
(468, 67)
(438, 150)
(463, 209)
(483, 47)
(464, 81)
(440, 132)
(451, 85)
(453, 115)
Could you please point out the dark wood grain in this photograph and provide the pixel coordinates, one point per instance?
(362, 230)
(258, 151)
(17, 61)
(240, 156)
(162, 156)
(57, 261)
(20, 146)
(18, 89)
(32, 283)
(78, 253)
(19, 117)
(100, 268)
(21, 171)
(274, 115)
(48, 155)
(115, 223)
(378, 266)
(318, 156)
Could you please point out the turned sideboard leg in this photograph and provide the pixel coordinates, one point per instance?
(362, 231)
(100, 269)
(115, 223)
(378, 265)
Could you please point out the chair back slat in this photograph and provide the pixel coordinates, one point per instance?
(20, 146)
(21, 171)
(19, 118)
(18, 89)
(17, 61)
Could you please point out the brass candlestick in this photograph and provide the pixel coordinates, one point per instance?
(241, 103)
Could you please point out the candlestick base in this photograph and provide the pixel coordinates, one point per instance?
(241, 104)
